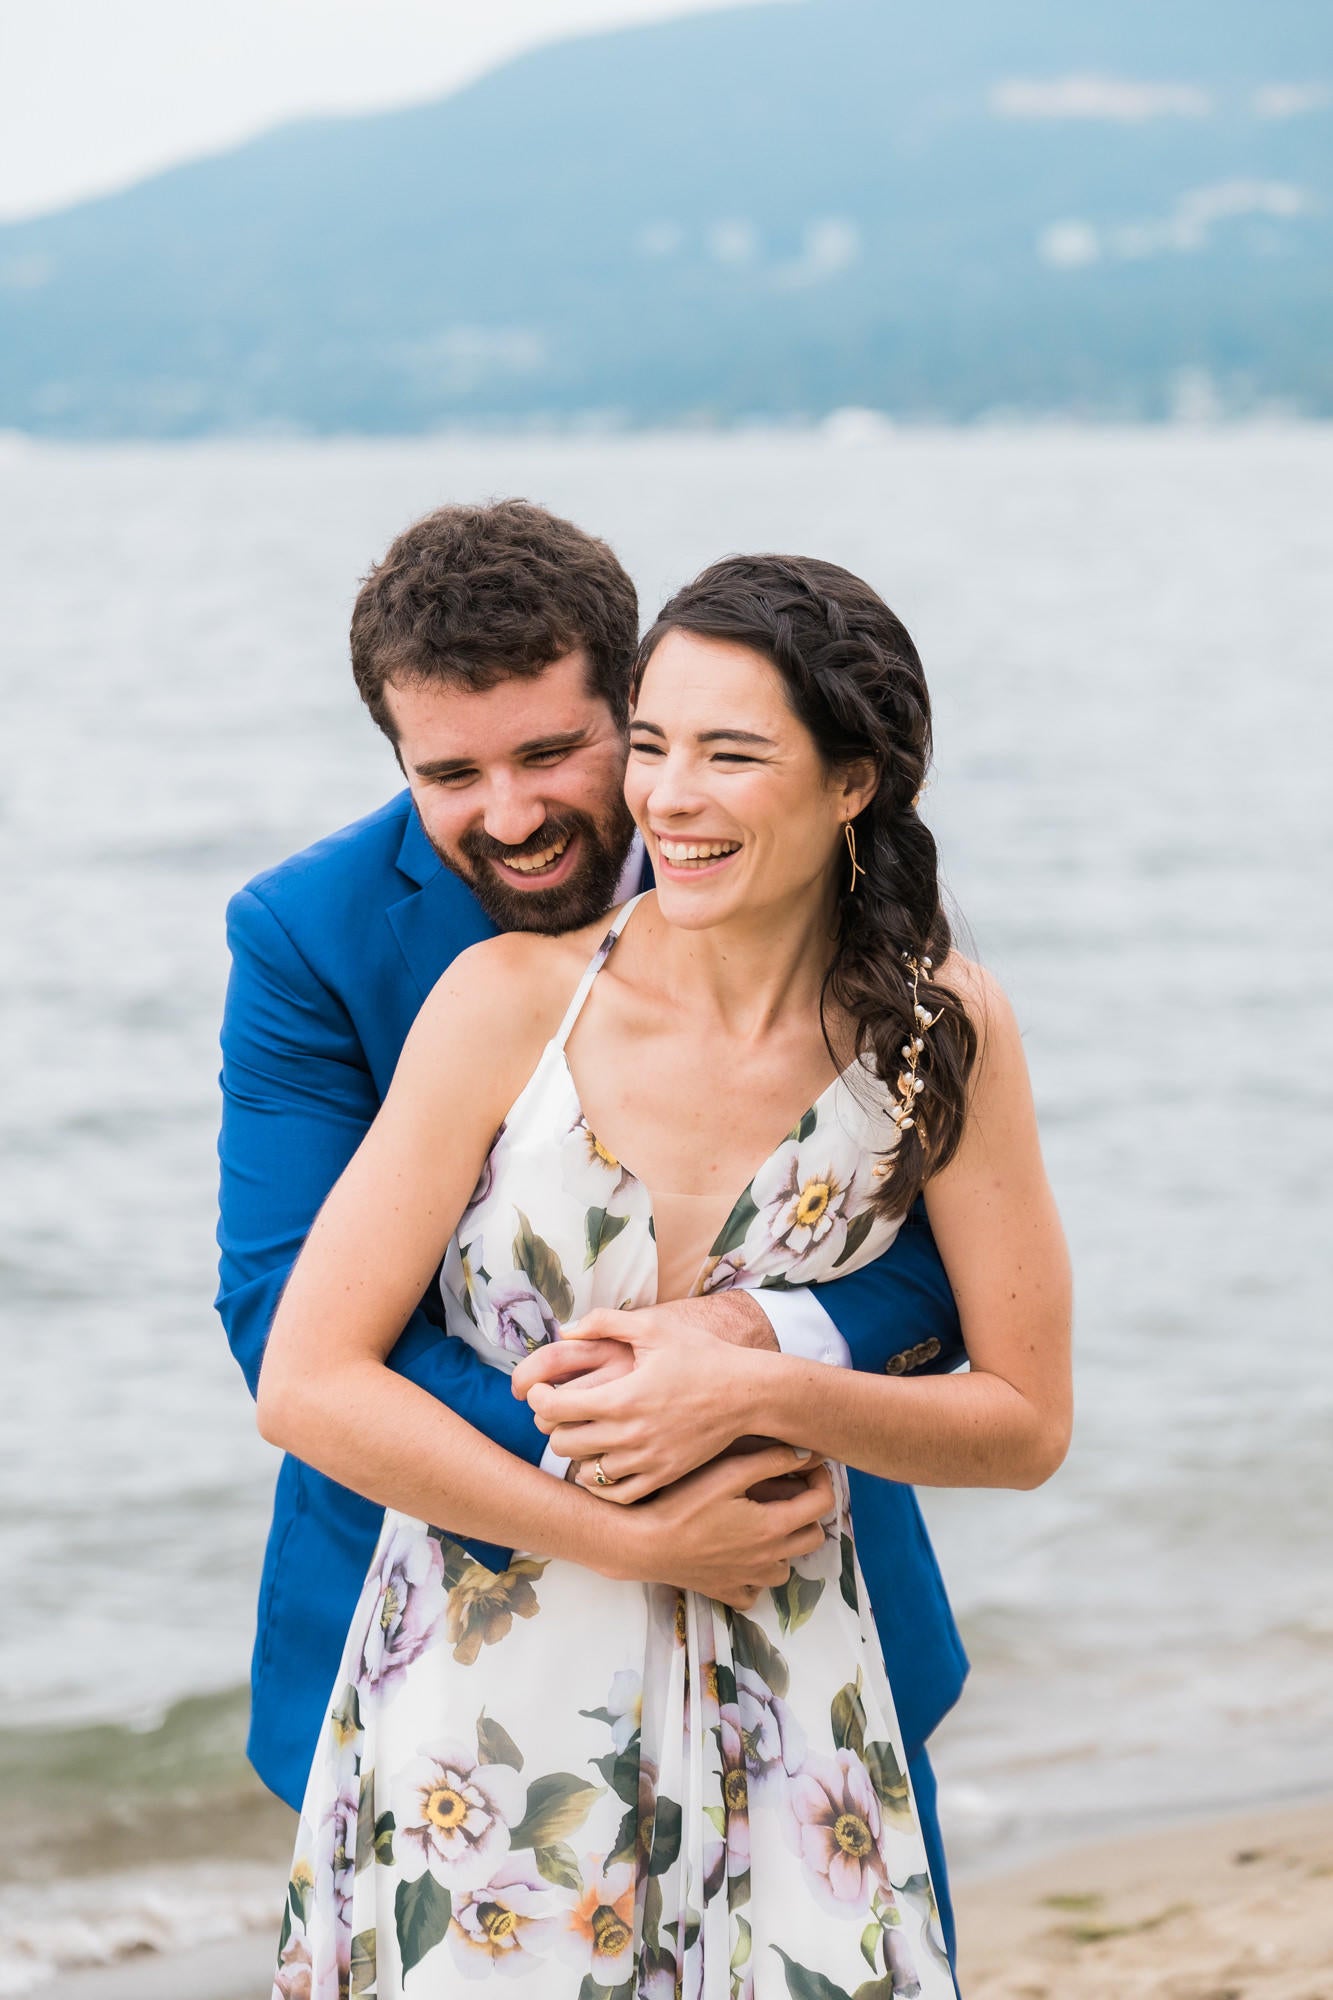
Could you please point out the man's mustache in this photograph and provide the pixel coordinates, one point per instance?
(480, 846)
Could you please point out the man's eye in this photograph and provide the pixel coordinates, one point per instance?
(454, 778)
(550, 756)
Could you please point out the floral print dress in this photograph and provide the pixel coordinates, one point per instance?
(598, 1790)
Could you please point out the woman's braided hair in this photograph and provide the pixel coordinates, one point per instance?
(854, 678)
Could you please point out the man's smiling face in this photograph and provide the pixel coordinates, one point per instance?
(519, 790)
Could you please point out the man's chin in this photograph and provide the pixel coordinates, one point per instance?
(584, 895)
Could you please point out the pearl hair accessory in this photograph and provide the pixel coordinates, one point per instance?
(910, 1085)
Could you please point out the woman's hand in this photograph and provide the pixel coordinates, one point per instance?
(707, 1534)
(651, 1394)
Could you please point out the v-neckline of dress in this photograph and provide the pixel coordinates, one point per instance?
(724, 1230)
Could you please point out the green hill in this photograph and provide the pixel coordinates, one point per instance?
(770, 212)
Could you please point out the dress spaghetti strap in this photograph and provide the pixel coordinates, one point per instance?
(594, 966)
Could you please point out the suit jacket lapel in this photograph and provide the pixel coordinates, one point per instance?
(441, 916)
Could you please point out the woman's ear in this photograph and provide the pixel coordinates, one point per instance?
(856, 784)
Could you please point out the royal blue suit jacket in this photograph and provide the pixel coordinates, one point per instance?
(333, 953)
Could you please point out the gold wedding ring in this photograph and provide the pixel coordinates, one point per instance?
(599, 1473)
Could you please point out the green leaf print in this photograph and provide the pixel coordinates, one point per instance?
(556, 1805)
(365, 1822)
(627, 1837)
(848, 1718)
(751, 1647)
(666, 1836)
(286, 1930)
(738, 1889)
(421, 1912)
(620, 1768)
(558, 1864)
(740, 1951)
(870, 1937)
(345, 1718)
(886, 1775)
(847, 1574)
(806, 1126)
(298, 1894)
(736, 1227)
(539, 1261)
(385, 1827)
(363, 1962)
(858, 1229)
(600, 1229)
(796, 1599)
(495, 1745)
(882, 1989)
(805, 1985)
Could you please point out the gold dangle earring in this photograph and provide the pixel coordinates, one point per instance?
(850, 831)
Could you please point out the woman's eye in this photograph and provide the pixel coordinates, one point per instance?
(646, 749)
(732, 757)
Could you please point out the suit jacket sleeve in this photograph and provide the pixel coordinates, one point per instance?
(898, 1314)
(297, 1097)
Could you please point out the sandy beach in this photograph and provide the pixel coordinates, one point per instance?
(1232, 1909)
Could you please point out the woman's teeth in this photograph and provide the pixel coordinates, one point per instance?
(681, 853)
(532, 864)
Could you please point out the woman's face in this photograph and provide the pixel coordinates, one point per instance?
(728, 789)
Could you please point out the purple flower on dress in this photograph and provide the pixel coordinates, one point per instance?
(772, 1738)
(295, 1972)
(457, 1813)
(412, 1601)
(833, 1822)
(335, 1850)
(502, 1925)
(521, 1319)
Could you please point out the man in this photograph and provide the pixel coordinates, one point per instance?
(493, 647)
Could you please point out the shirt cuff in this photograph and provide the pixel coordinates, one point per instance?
(552, 1462)
(802, 1326)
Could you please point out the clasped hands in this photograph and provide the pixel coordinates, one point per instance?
(657, 1398)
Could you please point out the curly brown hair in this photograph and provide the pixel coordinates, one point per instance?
(854, 678)
(470, 595)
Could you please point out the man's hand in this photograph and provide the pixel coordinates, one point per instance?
(678, 1401)
(707, 1532)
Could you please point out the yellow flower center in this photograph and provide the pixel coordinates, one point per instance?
(852, 1835)
(597, 1151)
(610, 1934)
(445, 1808)
(389, 1608)
(736, 1792)
(811, 1202)
(496, 1920)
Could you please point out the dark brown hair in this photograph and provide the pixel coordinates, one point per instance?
(472, 595)
(854, 678)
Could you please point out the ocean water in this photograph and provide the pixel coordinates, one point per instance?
(1127, 638)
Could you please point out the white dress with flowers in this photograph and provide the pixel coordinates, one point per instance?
(596, 1790)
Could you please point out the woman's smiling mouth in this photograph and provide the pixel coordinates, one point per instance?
(693, 857)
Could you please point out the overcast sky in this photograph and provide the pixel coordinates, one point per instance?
(95, 93)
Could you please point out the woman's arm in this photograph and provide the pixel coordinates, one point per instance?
(1007, 1422)
(1004, 1424)
(325, 1393)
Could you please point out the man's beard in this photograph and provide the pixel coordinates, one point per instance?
(581, 898)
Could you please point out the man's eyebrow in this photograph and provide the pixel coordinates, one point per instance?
(444, 767)
(711, 735)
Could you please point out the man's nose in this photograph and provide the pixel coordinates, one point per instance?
(513, 813)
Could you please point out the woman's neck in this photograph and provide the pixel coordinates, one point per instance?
(745, 976)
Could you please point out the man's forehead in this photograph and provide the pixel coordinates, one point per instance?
(435, 720)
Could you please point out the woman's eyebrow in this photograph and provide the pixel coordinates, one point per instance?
(710, 735)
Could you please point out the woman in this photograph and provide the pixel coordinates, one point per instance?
(594, 1775)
